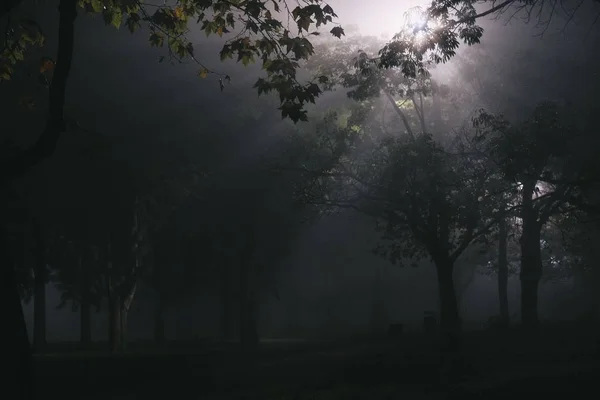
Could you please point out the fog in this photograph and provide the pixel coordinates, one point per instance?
(326, 280)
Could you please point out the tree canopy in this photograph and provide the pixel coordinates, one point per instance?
(253, 30)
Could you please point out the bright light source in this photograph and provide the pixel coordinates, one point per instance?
(415, 19)
(418, 23)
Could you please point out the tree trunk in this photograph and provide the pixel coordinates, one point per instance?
(226, 306)
(114, 323)
(39, 296)
(248, 333)
(159, 322)
(399, 112)
(44, 147)
(449, 316)
(19, 361)
(85, 318)
(292, 316)
(159, 299)
(123, 328)
(503, 270)
(531, 259)
(18, 371)
(118, 313)
(596, 290)
(39, 313)
(436, 111)
(462, 286)
(125, 307)
(450, 323)
(377, 303)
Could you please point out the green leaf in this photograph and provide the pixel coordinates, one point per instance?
(133, 22)
(226, 52)
(117, 18)
(156, 39)
(97, 5)
(304, 22)
(247, 59)
(337, 31)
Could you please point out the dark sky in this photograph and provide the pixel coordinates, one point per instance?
(154, 111)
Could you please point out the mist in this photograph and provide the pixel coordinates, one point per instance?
(245, 228)
(328, 264)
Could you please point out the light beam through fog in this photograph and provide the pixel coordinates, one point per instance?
(203, 226)
(379, 18)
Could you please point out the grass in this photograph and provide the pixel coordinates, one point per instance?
(559, 357)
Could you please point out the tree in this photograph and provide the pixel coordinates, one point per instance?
(466, 269)
(502, 255)
(579, 234)
(12, 167)
(76, 275)
(429, 201)
(434, 193)
(503, 266)
(444, 24)
(164, 187)
(263, 36)
(543, 155)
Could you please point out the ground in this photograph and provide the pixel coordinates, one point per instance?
(492, 365)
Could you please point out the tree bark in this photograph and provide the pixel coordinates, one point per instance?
(226, 300)
(159, 321)
(85, 317)
(248, 333)
(114, 323)
(462, 287)
(125, 307)
(39, 294)
(377, 303)
(503, 269)
(531, 259)
(159, 296)
(399, 112)
(19, 361)
(436, 110)
(19, 357)
(449, 316)
(596, 290)
(293, 325)
(450, 323)
(118, 312)
(46, 144)
(123, 328)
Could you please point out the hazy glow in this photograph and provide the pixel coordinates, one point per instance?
(379, 17)
(417, 23)
(416, 19)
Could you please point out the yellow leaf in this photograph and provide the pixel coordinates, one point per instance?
(203, 73)
(46, 64)
(220, 31)
(178, 12)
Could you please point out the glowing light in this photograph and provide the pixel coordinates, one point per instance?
(415, 19)
(418, 24)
